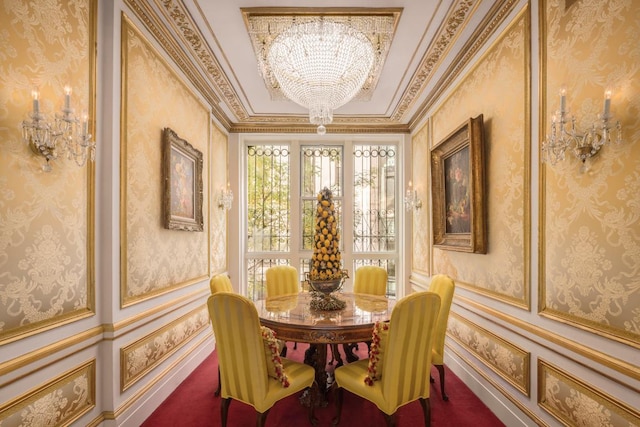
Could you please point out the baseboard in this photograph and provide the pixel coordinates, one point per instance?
(501, 407)
(157, 394)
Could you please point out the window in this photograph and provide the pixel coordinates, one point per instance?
(282, 183)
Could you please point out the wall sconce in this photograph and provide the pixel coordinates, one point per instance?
(411, 200)
(66, 134)
(583, 144)
(225, 199)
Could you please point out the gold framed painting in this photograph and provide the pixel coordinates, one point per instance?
(182, 176)
(457, 175)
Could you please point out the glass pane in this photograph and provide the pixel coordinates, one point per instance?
(268, 198)
(374, 219)
(321, 167)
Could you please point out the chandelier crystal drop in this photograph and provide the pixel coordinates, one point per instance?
(321, 65)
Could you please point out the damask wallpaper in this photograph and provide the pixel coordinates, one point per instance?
(502, 272)
(219, 180)
(421, 238)
(46, 238)
(154, 259)
(591, 231)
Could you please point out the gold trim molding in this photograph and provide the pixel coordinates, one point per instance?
(574, 402)
(618, 365)
(62, 400)
(516, 401)
(143, 355)
(507, 360)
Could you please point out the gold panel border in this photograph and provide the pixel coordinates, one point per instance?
(127, 24)
(524, 303)
(495, 384)
(522, 385)
(147, 387)
(626, 337)
(604, 403)
(618, 365)
(50, 396)
(129, 375)
(89, 310)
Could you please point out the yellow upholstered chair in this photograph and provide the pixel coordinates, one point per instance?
(404, 376)
(282, 280)
(243, 359)
(220, 283)
(444, 286)
(370, 279)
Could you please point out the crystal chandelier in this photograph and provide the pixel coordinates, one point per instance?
(65, 135)
(321, 65)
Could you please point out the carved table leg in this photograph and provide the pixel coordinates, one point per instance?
(316, 356)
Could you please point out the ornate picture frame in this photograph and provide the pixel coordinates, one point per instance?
(182, 178)
(457, 177)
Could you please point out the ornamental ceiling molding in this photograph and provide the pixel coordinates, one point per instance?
(478, 39)
(455, 22)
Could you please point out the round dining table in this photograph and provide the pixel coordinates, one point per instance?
(292, 318)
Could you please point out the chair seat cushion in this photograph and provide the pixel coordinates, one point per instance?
(272, 349)
(299, 375)
(376, 353)
(351, 376)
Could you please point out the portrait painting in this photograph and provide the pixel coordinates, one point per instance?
(182, 173)
(457, 174)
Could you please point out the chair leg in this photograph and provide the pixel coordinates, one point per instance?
(261, 418)
(426, 410)
(283, 352)
(217, 392)
(441, 372)
(224, 410)
(391, 419)
(339, 396)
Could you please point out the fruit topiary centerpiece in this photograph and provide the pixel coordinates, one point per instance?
(326, 274)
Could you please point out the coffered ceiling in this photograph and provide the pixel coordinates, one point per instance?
(434, 41)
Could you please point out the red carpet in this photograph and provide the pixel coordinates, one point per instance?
(193, 404)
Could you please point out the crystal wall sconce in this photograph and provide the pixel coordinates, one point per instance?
(583, 144)
(66, 134)
(411, 200)
(225, 199)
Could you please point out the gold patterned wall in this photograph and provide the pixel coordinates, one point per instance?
(591, 220)
(498, 88)
(576, 403)
(46, 231)
(421, 239)
(506, 359)
(155, 259)
(58, 402)
(140, 357)
(219, 181)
